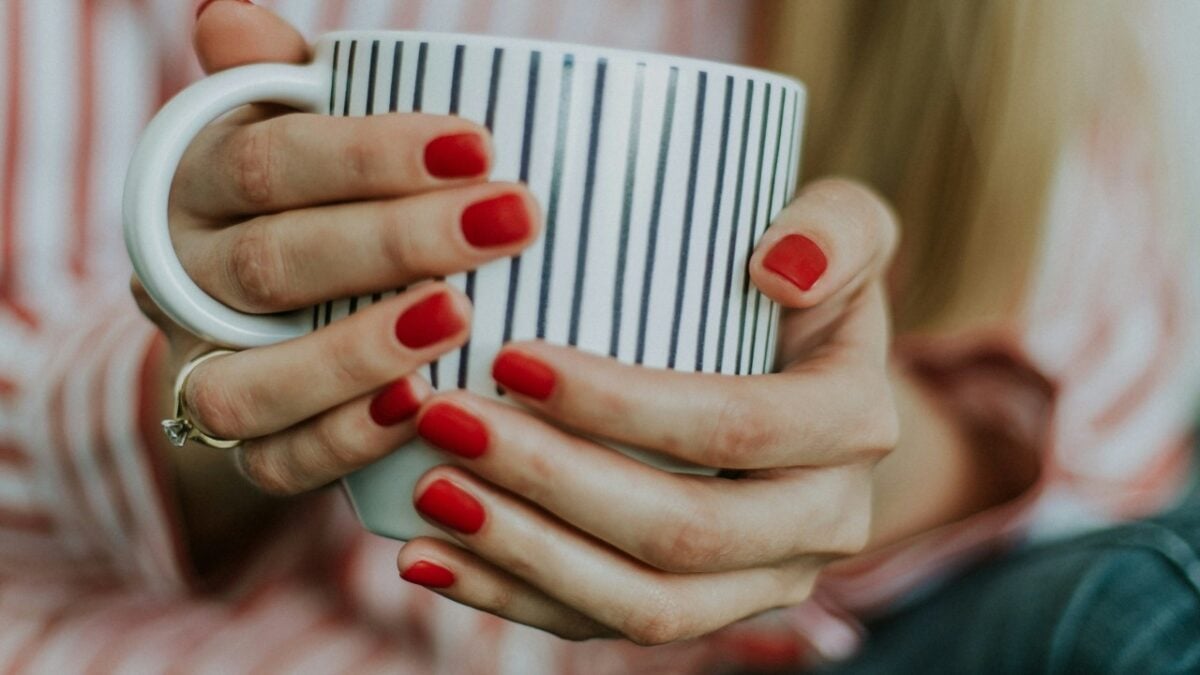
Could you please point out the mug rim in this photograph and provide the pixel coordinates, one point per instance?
(575, 48)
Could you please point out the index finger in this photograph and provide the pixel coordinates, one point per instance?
(829, 413)
(302, 159)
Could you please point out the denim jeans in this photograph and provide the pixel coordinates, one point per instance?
(1121, 600)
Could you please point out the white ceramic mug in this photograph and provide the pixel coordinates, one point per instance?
(657, 175)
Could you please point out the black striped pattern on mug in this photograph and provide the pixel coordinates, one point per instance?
(656, 181)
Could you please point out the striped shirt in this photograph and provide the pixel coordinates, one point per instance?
(1090, 381)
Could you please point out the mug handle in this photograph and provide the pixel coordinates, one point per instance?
(148, 185)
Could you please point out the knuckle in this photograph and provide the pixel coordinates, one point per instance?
(399, 243)
(657, 620)
(611, 404)
(523, 563)
(878, 421)
(498, 599)
(694, 543)
(215, 408)
(256, 270)
(850, 533)
(854, 535)
(854, 532)
(797, 583)
(541, 473)
(266, 472)
(349, 364)
(361, 157)
(740, 433)
(252, 162)
(368, 155)
(340, 446)
(886, 432)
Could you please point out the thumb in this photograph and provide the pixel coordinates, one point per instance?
(235, 32)
(836, 237)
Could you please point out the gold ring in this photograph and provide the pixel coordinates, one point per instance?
(181, 429)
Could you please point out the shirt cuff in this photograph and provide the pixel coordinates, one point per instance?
(1003, 407)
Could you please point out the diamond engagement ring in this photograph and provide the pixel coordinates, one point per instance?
(180, 429)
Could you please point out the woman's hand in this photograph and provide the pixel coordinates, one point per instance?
(565, 534)
(273, 210)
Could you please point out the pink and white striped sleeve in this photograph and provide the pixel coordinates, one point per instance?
(81, 496)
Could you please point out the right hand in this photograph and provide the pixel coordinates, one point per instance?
(273, 210)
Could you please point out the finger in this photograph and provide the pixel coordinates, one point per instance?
(296, 160)
(336, 442)
(860, 334)
(231, 34)
(680, 524)
(264, 390)
(831, 412)
(831, 240)
(281, 262)
(468, 579)
(645, 605)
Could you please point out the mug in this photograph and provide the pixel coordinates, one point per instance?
(657, 175)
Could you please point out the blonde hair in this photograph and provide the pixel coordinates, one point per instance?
(957, 112)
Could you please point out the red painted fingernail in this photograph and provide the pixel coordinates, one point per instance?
(431, 320)
(204, 4)
(445, 503)
(456, 156)
(430, 575)
(496, 222)
(797, 259)
(394, 404)
(453, 429)
(524, 375)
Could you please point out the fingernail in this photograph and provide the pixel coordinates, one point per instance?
(430, 575)
(395, 404)
(496, 222)
(204, 4)
(456, 156)
(453, 429)
(797, 259)
(448, 505)
(431, 320)
(524, 375)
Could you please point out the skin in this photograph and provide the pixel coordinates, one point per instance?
(838, 453)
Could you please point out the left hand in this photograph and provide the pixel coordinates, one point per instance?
(564, 534)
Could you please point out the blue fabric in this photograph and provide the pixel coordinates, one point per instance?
(1120, 600)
